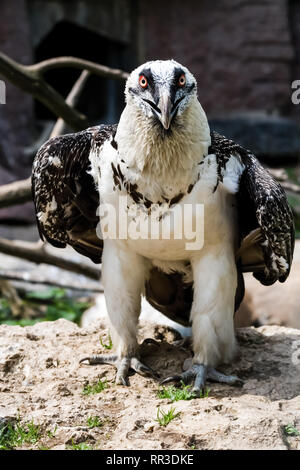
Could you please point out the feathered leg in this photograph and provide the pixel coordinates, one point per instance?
(215, 281)
(123, 276)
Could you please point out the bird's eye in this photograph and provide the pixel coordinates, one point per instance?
(182, 80)
(143, 81)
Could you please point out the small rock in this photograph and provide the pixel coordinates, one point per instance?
(63, 390)
(50, 362)
(32, 337)
(149, 427)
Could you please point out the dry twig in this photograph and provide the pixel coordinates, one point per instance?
(28, 278)
(30, 79)
(71, 100)
(37, 253)
(14, 193)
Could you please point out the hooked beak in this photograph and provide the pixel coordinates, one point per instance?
(165, 109)
(165, 105)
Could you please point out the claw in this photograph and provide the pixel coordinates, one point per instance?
(123, 370)
(100, 359)
(172, 378)
(200, 378)
(85, 359)
(200, 373)
(120, 380)
(143, 369)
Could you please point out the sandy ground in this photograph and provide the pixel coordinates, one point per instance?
(41, 380)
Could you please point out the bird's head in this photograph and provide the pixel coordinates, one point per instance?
(162, 90)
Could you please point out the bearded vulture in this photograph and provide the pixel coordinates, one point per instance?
(162, 158)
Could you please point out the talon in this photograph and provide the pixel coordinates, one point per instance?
(121, 380)
(143, 369)
(173, 378)
(84, 359)
(100, 359)
(123, 370)
(199, 384)
(197, 392)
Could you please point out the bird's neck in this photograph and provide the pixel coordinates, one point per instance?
(169, 158)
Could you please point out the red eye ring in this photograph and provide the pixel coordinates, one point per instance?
(143, 81)
(182, 80)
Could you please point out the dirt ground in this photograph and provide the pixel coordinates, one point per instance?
(41, 381)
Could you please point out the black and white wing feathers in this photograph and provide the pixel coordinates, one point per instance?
(64, 192)
(264, 196)
(265, 218)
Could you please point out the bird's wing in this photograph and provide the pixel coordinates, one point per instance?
(64, 193)
(265, 218)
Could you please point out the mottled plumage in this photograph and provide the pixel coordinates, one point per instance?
(66, 199)
(64, 193)
(162, 154)
(262, 204)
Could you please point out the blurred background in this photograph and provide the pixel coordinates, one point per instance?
(245, 55)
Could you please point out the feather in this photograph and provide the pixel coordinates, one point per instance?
(262, 203)
(64, 193)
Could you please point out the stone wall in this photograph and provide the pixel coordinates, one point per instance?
(240, 51)
(245, 55)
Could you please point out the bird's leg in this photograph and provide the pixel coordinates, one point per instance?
(215, 281)
(123, 277)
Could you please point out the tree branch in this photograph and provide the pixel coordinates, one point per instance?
(28, 279)
(292, 187)
(72, 100)
(32, 82)
(30, 79)
(19, 192)
(15, 193)
(36, 253)
(77, 63)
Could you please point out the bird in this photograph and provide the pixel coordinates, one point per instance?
(163, 159)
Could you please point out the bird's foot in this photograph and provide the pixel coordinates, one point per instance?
(123, 365)
(199, 373)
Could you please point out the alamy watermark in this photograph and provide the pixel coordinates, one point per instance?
(2, 92)
(159, 222)
(296, 93)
